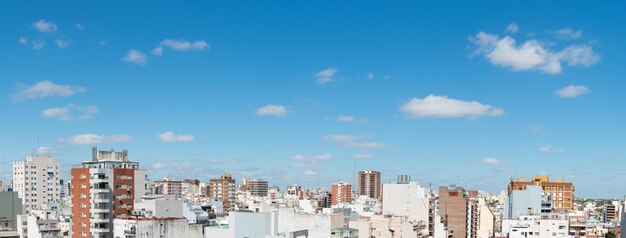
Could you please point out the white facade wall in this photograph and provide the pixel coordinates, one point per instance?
(553, 228)
(486, 221)
(243, 224)
(36, 180)
(523, 227)
(160, 206)
(163, 228)
(410, 200)
(522, 202)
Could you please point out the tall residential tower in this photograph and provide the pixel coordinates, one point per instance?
(103, 189)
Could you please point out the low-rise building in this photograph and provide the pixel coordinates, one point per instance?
(156, 227)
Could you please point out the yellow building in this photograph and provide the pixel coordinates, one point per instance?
(561, 192)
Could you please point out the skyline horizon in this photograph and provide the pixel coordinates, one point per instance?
(307, 92)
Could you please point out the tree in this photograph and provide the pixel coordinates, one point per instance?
(610, 234)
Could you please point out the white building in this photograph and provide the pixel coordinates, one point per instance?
(156, 227)
(486, 221)
(39, 224)
(284, 222)
(522, 227)
(623, 219)
(36, 180)
(407, 199)
(554, 225)
(159, 206)
(380, 226)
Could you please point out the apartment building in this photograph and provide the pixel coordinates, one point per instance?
(561, 193)
(104, 188)
(369, 183)
(341, 193)
(36, 180)
(223, 188)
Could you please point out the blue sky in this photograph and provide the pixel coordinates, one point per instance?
(308, 91)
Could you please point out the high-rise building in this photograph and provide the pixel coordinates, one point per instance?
(406, 199)
(341, 193)
(453, 209)
(36, 180)
(369, 184)
(610, 212)
(103, 189)
(257, 187)
(168, 186)
(223, 188)
(561, 193)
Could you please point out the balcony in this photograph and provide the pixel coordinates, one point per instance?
(100, 230)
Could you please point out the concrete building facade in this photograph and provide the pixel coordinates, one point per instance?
(560, 192)
(453, 209)
(223, 188)
(369, 183)
(103, 189)
(36, 180)
(341, 193)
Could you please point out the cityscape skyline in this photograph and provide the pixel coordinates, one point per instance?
(311, 93)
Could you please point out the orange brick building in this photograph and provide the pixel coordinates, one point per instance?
(341, 193)
(103, 189)
(560, 192)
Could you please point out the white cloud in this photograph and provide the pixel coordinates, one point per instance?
(310, 162)
(47, 150)
(180, 45)
(173, 138)
(321, 157)
(326, 75)
(362, 155)
(535, 128)
(373, 145)
(568, 33)
(157, 51)
(551, 149)
(71, 112)
(38, 44)
(158, 165)
(572, 91)
(309, 172)
(135, 57)
(370, 76)
(79, 26)
(513, 27)
(45, 89)
(45, 26)
(103, 43)
(443, 107)
(345, 118)
(91, 139)
(530, 55)
(342, 138)
(272, 110)
(23, 41)
(490, 161)
(223, 162)
(348, 119)
(62, 43)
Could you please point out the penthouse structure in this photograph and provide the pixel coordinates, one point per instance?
(104, 188)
